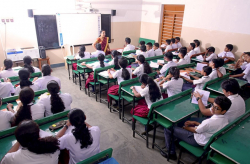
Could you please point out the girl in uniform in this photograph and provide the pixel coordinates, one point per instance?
(115, 58)
(8, 71)
(81, 55)
(143, 66)
(27, 64)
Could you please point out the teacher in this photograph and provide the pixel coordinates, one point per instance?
(103, 40)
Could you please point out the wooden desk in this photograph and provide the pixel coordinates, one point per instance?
(40, 60)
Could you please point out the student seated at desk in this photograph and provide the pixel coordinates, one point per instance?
(197, 46)
(6, 116)
(138, 52)
(24, 76)
(167, 57)
(227, 54)
(28, 64)
(182, 54)
(128, 46)
(143, 67)
(6, 88)
(168, 45)
(150, 91)
(177, 41)
(55, 102)
(217, 68)
(123, 74)
(211, 55)
(35, 149)
(157, 50)
(8, 71)
(82, 54)
(81, 139)
(198, 134)
(143, 52)
(115, 57)
(173, 44)
(26, 110)
(98, 51)
(150, 51)
(43, 81)
(241, 63)
(190, 53)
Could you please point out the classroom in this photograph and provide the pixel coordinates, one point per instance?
(124, 81)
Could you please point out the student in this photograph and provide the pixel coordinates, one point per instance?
(198, 134)
(143, 50)
(115, 56)
(24, 76)
(123, 74)
(150, 52)
(173, 83)
(241, 64)
(150, 91)
(81, 139)
(82, 54)
(138, 52)
(173, 44)
(157, 50)
(210, 51)
(177, 41)
(128, 46)
(8, 71)
(143, 67)
(190, 53)
(197, 46)
(6, 88)
(6, 116)
(55, 102)
(35, 149)
(26, 109)
(182, 54)
(43, 81)
(98, 51)
(227, 54)
(167, 57)
(27, 64)
(168, 45)
(215, 64)
(200, 82)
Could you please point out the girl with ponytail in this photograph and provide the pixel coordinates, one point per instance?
(143, 66)
(34, 148)
(26, 110)
(123, 74)
(56, 102)
(115, 58)
(81, 55)
(81, 139)
(28, 64)
(8, 71)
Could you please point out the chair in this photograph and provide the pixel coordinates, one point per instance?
(40, 60)
(146, 40)
(126, 53)
(66, 51)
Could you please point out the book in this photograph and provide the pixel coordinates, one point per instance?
(154, 65)
(105, 73)
(138, 89)
(160, 61)
(204, 97)
(200, 66)
(184, 74)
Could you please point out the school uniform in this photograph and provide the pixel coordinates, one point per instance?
(179, 45)
(244, 65)
(144, 54)
(158, 52)
(247, 72)
(68, 141)
(129, 47)
(37, 111)
(226, 54)
(8, 73)
(96, 53)
(169, 47)
(5, 117)
(138, 52)
(139, 70)
(86, 56)
(188, 56)
(43, 81)
(211, 57)
(182, 62)
(151, 53)
(173, 86)
(201, 82)
(197, 50)
(34, 87)
(6, 88)
(46, 102)
(36, 69)
(166, 66)
(112, 62)
(214, 74)
(174, 46)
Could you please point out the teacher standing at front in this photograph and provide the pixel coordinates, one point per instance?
(103, 40)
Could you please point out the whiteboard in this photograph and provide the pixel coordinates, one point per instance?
(76, 29)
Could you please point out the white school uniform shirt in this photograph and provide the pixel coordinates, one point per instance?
(188, 56)
(201, 82)
(151, 53)
(112, 62)
(144, 54)
(6, 88)
(179, 45)
(247, 73)
(182, 62)
(96, 53)
(244, 65)
(169, 47)
(158, 52)
(197, 50)
(211, 57)
(37, 111)
(166, 66)
(5, 117)
(173, 86)
(43, 81)
(68, 141)
(174, 46)
(214, 74)
(118, 75)
(86, 56)
(139, 70)
(208, 127)
(45, 101)
(34, 87)
(129, 47)
(145, 93)
(138, 52)
(8, 73)
(36, 69)
(226, 54)
(98, 65)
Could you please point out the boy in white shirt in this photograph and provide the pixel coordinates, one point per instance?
(98, 51)
(168, 45)
(177, 41)
(227, 55)
(181, 55)
(217, 69)
(190, 53)
(143, 50)
(128, 46)
(167, 57)
(173, 44)
(157, 50)
(150, 51)
(197, 46)
(198, 134)
(6, 89)
(138, 52)
(210, 51)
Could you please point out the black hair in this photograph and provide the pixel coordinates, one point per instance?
(211, 49)
(178, 38)
(192, 45)
(24, 76)
(154, 91)
(46, 70)
(183, 52)
(224, 102)
(57, 105)
(81, 132)
(101, 59)
(27, 134)
(82, 51)
(157, 45)
(149, 44)
(231, 85)
(147, 68)
(216, 63)
(115, 54)
(27, 64)
(169, 55)
(101, 32)
(175, 72)
(8, 64)
(168, 41)
(128, 40)
(26, 96)
(247, 53)
(230, 47)
(197, 42)
(142, 42)
(123, 62)
(98, 46)
(221, 62)
(143, 48)
(173, 40)
(207, 69)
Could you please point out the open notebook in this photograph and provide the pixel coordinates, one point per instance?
(204, 97)
(154, 65)
(105, 73)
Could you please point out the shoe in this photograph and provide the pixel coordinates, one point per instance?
(171, 156)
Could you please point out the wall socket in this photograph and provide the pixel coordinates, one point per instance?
(7, 20)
